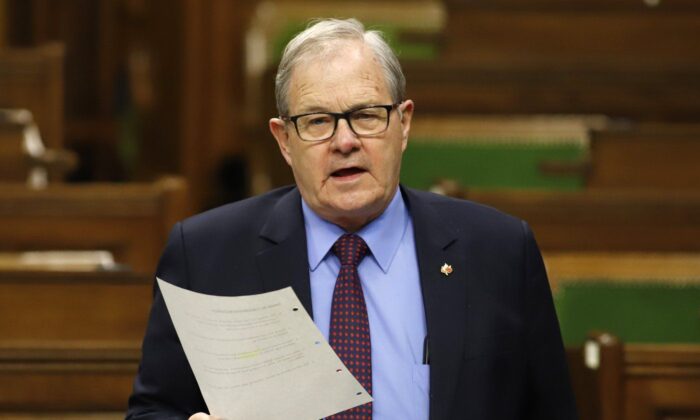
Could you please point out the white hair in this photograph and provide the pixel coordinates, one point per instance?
(317, 39)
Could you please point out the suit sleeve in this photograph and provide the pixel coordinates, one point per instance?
(549, 388)
(165, 387)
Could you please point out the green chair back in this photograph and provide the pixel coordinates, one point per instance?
(645, 312)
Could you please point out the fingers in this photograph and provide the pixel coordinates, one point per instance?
(203, 416)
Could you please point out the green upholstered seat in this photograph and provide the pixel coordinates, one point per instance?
(635, 312)
(485, 164)
(499, 152)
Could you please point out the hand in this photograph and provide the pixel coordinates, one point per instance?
(203, 416)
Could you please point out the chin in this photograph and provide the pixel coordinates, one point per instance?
(358, 210)
(357, 201)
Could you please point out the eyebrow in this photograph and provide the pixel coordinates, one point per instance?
(314, 108)
(321, 110)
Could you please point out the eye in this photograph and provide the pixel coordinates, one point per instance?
(366, 114)
(317, 120)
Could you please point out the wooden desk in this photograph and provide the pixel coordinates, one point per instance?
(627, 58)
(646, 155)
(604, 220)
(637, 267)
(70, 341)
(130, 220)
(624, 381)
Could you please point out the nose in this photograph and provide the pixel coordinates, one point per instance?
(344, 140)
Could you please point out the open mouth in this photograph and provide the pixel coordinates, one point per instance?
(347, 172)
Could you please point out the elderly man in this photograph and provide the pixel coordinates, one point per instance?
(448, 300)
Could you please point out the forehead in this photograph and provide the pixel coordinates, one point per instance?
(348, 74)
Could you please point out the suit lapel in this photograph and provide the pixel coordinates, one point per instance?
(283, 261)
(444, 298)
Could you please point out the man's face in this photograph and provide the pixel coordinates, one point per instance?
(347, 180)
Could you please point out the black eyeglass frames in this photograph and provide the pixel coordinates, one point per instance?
(366, 121)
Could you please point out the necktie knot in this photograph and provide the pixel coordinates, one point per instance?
(350, 249)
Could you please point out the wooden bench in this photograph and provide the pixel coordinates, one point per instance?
(476, 88)
(604, 220)
(594, 151)
(70, 341)
(628, 58)
(646, 156)
(625, 381)
(70, 345)
(677, 268)
(504, 151)
(130, 220)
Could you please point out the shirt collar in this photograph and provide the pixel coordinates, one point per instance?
(382, 235)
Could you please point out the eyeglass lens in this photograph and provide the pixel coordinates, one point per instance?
(366, 121)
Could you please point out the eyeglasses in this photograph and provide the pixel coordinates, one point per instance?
(320, 126)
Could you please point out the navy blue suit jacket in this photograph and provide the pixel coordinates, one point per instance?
(495, 346)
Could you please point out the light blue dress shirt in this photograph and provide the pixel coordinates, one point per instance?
(391, 286)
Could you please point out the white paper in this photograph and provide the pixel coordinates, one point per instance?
(260, 356)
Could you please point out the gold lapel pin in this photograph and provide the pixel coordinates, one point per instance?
(446, 269)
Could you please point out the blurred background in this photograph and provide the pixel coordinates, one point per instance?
(120, 117)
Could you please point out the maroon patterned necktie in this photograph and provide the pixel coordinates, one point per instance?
(349, 330)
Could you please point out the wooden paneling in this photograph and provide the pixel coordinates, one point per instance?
(153, 87)
(573, 5)
(625, 381)
(614, 35)
(638, 267)
(619, 58)
(32, 78)
(604, 220)
(130, 220)
(555, 88)
(58, 306)
(646, 156)
(70, 340)
(597, 386)
(662, 382)
(212, 92)
(14, 162)
(53, 415)
(90, 379)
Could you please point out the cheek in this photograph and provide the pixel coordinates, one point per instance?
(391, 160)
(308, 167)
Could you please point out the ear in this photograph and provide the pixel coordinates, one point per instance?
(406, 112)
(278, 128)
